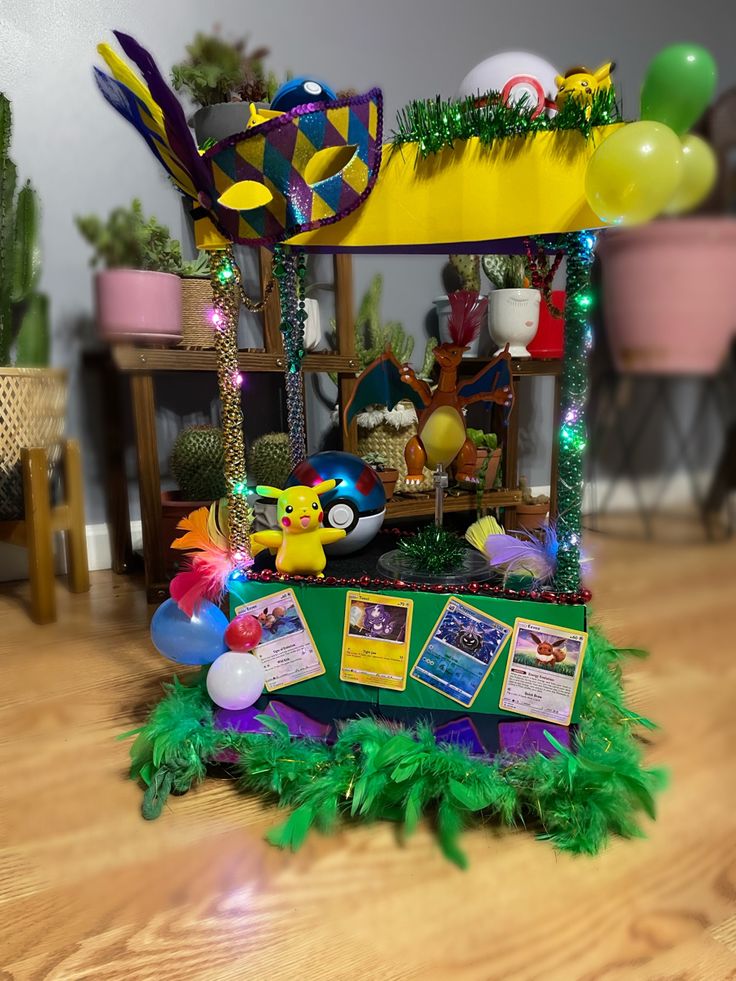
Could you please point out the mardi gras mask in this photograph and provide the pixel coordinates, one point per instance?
(292, 173)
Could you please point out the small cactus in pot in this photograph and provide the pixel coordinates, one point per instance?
(198, 463)
(269, 460)
(513, 308)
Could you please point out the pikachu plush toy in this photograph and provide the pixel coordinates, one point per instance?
(581, 83)
(300, 537)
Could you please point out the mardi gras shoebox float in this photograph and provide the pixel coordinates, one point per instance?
(418, 650)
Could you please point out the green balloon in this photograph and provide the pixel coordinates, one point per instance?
(678, 86)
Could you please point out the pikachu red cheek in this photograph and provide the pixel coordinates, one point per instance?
(286, 522)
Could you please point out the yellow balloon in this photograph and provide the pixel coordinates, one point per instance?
(699, 171)
(634, 173)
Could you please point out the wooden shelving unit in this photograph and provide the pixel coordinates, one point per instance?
(142, 364)
(422, 505)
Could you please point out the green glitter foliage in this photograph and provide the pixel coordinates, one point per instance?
(437, 123)
(433, 550)
(379, 771)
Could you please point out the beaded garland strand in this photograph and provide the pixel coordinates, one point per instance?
(290, 270)
(578, 247)
(226, 305)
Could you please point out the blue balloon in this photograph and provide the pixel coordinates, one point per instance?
(198, 640)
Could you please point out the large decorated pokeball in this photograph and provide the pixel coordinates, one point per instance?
(515, 74)
(357, 504)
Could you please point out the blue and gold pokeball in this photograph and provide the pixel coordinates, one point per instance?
(357, 504)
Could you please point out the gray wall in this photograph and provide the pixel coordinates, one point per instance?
(82, 157)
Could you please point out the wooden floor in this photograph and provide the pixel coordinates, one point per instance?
(89, 890)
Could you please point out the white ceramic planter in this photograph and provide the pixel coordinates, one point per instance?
(513, 319)
(442, 305)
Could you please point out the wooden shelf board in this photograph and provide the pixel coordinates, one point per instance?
(152, 359)
(519, 366)
(421, 505)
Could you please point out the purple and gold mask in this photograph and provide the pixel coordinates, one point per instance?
(292, 173)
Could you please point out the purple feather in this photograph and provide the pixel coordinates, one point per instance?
(175, 123)
(523, 554)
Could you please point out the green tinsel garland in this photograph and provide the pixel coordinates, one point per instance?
(433, 550)
(437, 123)
(376, 770)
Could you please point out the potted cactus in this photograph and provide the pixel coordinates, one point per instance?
(139, 293)
(222, 78)
(387, 474)
(513, 307)
(531, 514)
(269, 464)
(488, 457)
(197, 464)
(33, 396)
(461, 273)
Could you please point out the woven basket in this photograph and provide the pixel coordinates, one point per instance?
(32, 413)
(389, 440)
(196, 307)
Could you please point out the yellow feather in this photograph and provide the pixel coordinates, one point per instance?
(125, 74)
(155, 122)
(481, 530)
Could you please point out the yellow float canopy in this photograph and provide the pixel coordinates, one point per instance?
(469, 194)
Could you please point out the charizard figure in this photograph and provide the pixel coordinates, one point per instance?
(441, 438)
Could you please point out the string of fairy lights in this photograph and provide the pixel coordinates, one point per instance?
(579, 248)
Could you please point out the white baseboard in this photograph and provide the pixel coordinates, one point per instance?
(14, 558)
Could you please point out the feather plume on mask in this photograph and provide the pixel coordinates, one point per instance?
(210, 563)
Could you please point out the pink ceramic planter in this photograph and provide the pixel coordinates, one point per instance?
(669, 295)
(134, 304)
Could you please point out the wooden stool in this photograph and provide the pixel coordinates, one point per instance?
(42, 520)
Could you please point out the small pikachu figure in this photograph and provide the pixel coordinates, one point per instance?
(582, 84)
(300, 538)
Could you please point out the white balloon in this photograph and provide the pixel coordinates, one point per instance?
(519, 72)
(235, 680)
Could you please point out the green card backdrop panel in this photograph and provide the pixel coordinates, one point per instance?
(324, 610)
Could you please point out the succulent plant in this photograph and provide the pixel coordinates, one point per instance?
(217, 70)
(197, 463)
(466, 272)
(526, 493)
(372, 337)
(377, 461)
(269, 460)
(127, 239)
(23, 311)
(505, 272)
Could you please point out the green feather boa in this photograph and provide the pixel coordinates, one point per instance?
(379, 770)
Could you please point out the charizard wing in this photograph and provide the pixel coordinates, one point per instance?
(494, 383)
(383, 382)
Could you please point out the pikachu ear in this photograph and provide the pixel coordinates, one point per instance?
(268, 491)
(326, 485)
(559, 81)
(602, 73)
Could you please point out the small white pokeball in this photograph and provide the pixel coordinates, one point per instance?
(516, 75)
